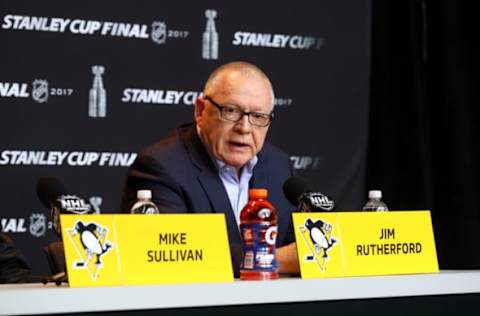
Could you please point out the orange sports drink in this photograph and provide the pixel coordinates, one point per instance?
(258, 226)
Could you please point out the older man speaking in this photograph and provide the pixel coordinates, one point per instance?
(210, 166)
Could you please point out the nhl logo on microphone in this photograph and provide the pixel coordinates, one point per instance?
(73, 204)
(314, 201)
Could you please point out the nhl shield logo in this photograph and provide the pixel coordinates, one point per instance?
(91, 244)
(40, 90)
(159, 32)
(37, 225)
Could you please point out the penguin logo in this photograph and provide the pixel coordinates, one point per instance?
(90, 243)
(319, 241)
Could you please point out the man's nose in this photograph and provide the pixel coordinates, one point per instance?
(243, 125)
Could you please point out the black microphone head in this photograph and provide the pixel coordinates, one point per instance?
(49, 189)
(294, 187)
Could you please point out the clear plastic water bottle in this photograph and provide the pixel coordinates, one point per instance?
(144, 204)
(375, 203)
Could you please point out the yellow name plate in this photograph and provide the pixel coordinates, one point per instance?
(126, 249)
(365, 243)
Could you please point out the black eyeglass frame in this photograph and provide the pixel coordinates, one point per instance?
(221, 108)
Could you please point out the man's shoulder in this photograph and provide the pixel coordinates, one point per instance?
(274, 161)
(171, 146)
(271, 151)
(169, 150)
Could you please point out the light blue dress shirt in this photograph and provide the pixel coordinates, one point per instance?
(236, 187)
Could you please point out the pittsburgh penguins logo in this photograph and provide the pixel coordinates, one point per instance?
(89, 236)
(90, 243)
(319, 241)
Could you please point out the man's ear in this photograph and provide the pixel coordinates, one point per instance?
(199, 107)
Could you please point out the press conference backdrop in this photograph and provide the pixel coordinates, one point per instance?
(85, 85)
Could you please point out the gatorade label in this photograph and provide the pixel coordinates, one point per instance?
(259, 247)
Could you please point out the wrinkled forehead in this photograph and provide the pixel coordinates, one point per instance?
(242, 88)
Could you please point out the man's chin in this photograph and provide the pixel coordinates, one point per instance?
(237, 162)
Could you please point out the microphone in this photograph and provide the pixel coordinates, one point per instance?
(53, 194)
(298, 192)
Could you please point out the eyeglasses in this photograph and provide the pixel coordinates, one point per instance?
(234, 114)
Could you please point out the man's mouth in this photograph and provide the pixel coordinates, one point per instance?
(239, 145)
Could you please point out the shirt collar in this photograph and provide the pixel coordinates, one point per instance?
(248, 166)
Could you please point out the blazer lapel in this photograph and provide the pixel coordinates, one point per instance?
(260, 177)
(210, 181)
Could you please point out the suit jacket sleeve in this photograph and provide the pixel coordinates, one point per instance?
(13, 267)
(148, 173)
(290, 236)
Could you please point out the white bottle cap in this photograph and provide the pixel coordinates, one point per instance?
(144, 194)
(375, 194)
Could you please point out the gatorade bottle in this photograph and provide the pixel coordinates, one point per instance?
(258, 226)
(144, 204)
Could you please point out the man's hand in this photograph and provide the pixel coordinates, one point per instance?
(287, 259)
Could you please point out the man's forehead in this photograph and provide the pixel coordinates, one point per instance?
(243, 89)
(238, 77)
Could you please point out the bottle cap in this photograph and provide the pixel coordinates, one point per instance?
(144, 194)
(258, 193)
(375, 194)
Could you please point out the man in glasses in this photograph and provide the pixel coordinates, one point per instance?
(209, 166)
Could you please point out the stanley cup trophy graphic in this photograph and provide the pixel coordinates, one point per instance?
(97, 102)
(210, 37)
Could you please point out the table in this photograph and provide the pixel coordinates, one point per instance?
(441, 291)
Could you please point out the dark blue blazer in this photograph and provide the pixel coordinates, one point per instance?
(184, 179)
